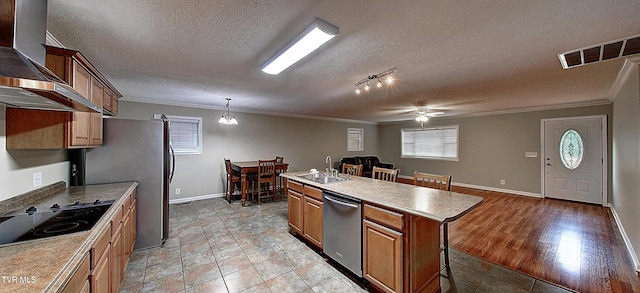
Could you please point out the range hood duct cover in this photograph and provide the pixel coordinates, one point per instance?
(24, 81)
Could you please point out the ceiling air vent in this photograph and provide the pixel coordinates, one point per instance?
(596, 53)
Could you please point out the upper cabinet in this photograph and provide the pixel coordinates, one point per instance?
(38, 129)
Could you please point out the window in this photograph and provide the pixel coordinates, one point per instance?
(186, 134)
(571, 149)
(431, 143)
(354, 139)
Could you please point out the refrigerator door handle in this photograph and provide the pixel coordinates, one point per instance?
(173, 162)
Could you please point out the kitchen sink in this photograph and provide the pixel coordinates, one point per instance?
(322, 178)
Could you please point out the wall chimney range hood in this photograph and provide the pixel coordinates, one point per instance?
(24, 81)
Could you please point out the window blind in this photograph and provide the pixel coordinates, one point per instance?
(432, 143)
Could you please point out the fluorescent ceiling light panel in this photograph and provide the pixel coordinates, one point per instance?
(310, 39)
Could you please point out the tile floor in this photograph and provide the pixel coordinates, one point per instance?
(217, 247)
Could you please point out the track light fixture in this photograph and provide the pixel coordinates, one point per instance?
(387, 76)
(227, 120)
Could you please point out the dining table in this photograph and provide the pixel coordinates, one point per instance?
(250, 167)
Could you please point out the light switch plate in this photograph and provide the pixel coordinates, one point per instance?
(531, 154)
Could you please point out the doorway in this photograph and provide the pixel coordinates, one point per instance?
(574, 159)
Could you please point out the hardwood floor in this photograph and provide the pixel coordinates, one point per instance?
(574, 245)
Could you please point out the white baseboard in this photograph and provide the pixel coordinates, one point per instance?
(518, 192)
(194, 198)
(627, 242)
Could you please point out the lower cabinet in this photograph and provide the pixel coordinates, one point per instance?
(295, 211)
(103, 268)
(100, 275)
(305, 212)
(401, 252)
(313, 221)
(79, 281)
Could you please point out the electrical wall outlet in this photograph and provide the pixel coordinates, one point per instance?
(177, 190)
(37, 179)
(502, 182)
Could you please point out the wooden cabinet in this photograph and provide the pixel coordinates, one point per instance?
(294, 196)
(103, 268)
(100, 282)
(79, 281)
(401, 252)
(100, 266)
(38, 129)
(117, 252)
(305, 212)
(312, 223)
(382, 256)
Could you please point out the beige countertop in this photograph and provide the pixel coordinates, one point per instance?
(46, 265)
(439, 205)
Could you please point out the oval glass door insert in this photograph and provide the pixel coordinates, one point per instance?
(571, 149)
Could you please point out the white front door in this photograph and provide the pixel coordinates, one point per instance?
(573, 159)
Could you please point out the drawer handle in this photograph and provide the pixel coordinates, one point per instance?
(341, 202)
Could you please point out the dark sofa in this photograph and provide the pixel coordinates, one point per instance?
(367, 162)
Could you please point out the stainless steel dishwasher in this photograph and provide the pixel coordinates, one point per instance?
(342, 231)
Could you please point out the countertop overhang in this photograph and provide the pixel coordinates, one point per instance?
(439, 205)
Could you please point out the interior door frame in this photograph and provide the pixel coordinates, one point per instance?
(605, 159)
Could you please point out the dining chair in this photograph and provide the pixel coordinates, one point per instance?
(232, 178)
(442, 182)
(279, 179)
(351, 169)
(384, 174)
(266, 177)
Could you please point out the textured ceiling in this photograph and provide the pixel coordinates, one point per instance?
(463, 57)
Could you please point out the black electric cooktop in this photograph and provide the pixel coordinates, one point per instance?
(31, 224)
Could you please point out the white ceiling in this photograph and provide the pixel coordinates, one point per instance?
(464, 57)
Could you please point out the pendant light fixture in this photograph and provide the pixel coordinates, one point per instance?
(227, 120)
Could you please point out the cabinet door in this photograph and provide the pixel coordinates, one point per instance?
(100, 275)
(126, 235)
(80, 278)
(313, 221)
(295, 211)
(81, 80)
(80, 129)
(106, 99)
(134, 222)
(382, 257)
(117, 256)
(95, 131)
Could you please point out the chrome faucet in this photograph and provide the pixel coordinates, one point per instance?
(330, 169)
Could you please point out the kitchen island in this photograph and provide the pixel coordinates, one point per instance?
(400, 226)
(69, 263)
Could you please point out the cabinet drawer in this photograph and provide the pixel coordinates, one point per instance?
(116, 221)
(98, 248)
(294, 186)
(313, 192)
(385, 217)
(80, 277)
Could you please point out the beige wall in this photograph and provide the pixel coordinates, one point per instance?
(17, 166)
(304, 143)
(626, 170)
(491, 148)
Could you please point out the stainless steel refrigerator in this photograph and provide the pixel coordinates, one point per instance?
(137, 150)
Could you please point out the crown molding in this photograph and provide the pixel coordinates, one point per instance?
(198, 106)
(51, 40)
(629, 66)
